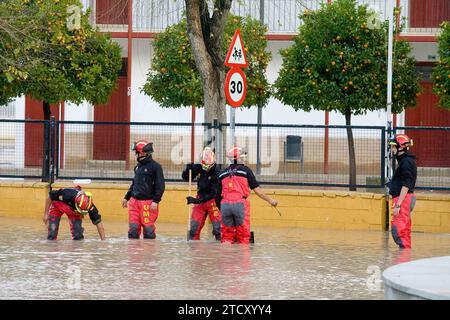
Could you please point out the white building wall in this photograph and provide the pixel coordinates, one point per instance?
(82, 112)
(12, 135)
(144, 109)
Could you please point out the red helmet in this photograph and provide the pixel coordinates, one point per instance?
(208, 159)
(83, 202)
(143, 147)
(235, 153)
(401, 141)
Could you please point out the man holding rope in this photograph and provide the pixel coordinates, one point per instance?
(206, 173)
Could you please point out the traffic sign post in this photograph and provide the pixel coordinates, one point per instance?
(235, 82)
(235, 87)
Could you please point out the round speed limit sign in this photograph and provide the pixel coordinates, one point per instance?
(235, 87)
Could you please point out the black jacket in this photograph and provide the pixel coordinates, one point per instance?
(207, 182)
(68, 196)
(237, 170)
(148, 182)
(405, 174)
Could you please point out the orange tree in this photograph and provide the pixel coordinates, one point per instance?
(441, 73)
(53, 54)
(338, 63)
(15, 56)
(174, 80)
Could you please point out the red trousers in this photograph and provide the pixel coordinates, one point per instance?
(198, 218)
(140, 217)
(235, 225)
(401, 224)
(56, 210)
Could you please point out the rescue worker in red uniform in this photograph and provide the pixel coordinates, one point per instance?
(207, 174)
(145, 193)
(76, 204)
(235, 183)
(402, 190)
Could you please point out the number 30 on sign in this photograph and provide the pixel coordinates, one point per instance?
(235, 87)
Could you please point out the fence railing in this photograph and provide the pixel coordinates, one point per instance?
(432, 148)
(297, 155)
(306, 155)
(21, 148)
(421, 17)
(101, 150)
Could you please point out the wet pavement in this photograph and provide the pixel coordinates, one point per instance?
(283, 264)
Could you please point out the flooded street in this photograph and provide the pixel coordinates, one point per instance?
(283, 264)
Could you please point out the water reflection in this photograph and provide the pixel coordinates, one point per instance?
(401, 256)
(287, 263)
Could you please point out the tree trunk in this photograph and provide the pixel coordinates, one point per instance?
(205, 36)
(46, 146)
(351, 151)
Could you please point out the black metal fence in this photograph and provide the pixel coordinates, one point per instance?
(21, 148)
(431, 145)
(298, 155)
(102, 150)
(312, 155)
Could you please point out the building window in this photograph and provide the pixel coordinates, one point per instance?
(425, 72)
(8, 111)
(111, 12)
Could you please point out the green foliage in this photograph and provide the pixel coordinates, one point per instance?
(338, 63)
(55, 62)
(441, 73)
(174, 81)
(7, 91)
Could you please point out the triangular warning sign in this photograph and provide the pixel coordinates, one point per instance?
(236, 52)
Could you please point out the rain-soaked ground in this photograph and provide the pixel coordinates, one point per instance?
(284, 263)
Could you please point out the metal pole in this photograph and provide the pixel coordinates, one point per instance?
(46, 154)
(327, 136)
(389, 101)
(129, 68)
(52, 150)
(261, 11)
(389, 69)
(193, 134)
(232, 125)
(397, 34)
(216, 140)
(326, 144)
(190, 171)
(57, 148)
(259, 117)
(258, 141)
(220, 144)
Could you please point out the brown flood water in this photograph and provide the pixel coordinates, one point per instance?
(283, 264)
